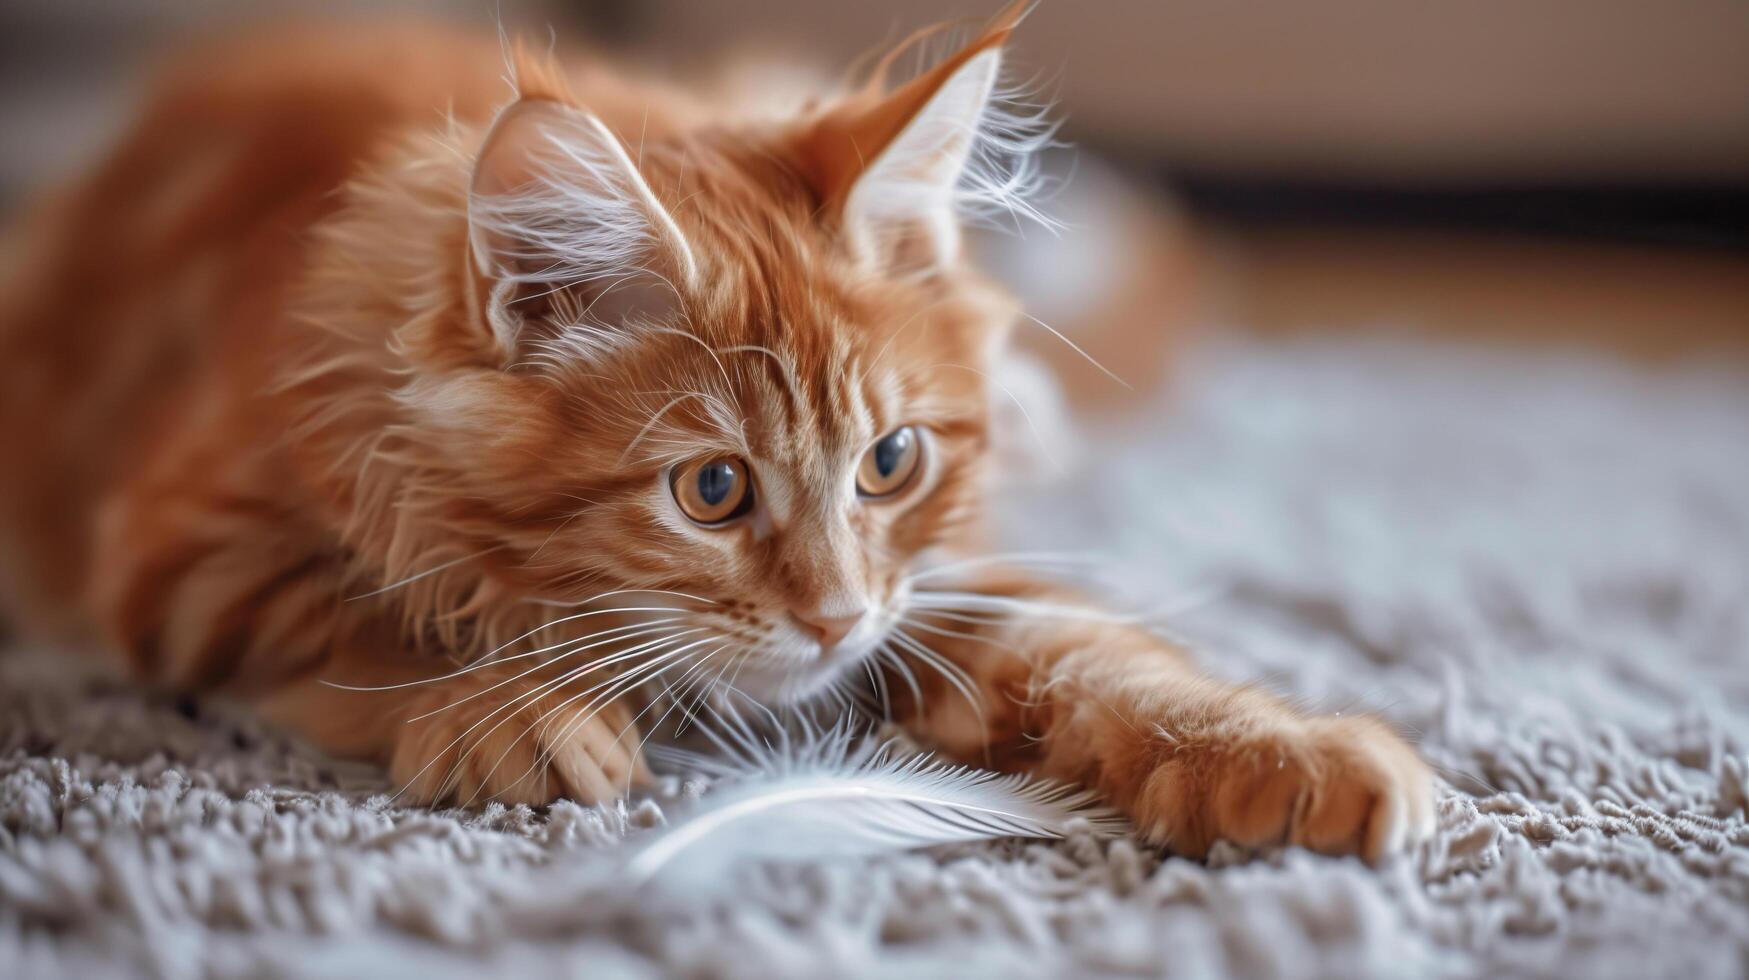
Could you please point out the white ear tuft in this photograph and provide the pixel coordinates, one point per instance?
(969, 153)
(561, 219)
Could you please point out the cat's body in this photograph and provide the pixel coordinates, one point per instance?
(338, 372)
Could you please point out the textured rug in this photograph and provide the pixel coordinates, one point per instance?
(1538, 565)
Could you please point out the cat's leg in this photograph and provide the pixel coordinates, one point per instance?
(1062, 692)
(205, 589)
(467, 736)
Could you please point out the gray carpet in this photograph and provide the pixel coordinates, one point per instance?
(1541, 566)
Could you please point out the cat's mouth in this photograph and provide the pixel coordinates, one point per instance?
(837, 672)
(785, 664)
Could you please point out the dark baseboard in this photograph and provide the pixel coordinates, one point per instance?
(1710, 216)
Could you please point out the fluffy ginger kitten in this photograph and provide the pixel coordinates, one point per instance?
(477, 438)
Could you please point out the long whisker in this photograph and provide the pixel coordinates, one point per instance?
(676, 692)
(673, 703)
(978, 601)
(654, 420)
(428, 572)
(609, 689)
(1074, 347)
(957, 634)
(1044, 559)
(510, 705)
(878, 682)
(616, 679)
(487, 662)
(891, 656)
(1037, 435)
(695, 339)
(574, 603)
(600, 612)
(508, 710)
(688, 716)
(783, 366)
(960, 680)
(729, 686)
(974, 619)
(640, 674)
(648, 628)
(736, 738)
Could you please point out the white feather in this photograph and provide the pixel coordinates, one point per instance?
(828, 796)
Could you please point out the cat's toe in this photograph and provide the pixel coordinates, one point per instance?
(595, 759)
(1339, 786)
(1370, 794)
(518, 750)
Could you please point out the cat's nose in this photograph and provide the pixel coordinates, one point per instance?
(829, 630)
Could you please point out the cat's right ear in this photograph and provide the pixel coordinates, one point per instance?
(897, 170)
(568, 244)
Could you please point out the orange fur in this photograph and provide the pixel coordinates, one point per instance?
(339, 371)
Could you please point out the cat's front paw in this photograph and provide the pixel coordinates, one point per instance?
(1334, 785)
(467, 743)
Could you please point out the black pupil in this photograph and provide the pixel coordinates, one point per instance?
(889, 452)
(715, 481)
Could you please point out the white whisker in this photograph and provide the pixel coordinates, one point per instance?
(1037, 559)
(689, 716)
(425, 574)
(570, 652)
(975, 619)
(957, 634)
(891, 656)
(614, 680)
(1076, 348)
(511, 704)
(600, 612)
(574, 603)
(668, 692)
(484, 663)
(955, 676)
(977, 601)
(1038, 436)
(878, 682)
(609, 690)
(654, 419)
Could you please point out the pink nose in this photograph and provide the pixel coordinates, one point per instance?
(829, 630)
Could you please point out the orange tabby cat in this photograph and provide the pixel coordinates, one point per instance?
(341, 374)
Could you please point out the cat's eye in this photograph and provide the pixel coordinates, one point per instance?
(713, 491)
(890, 463)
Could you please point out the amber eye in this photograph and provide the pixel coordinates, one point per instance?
(713, 491)
(890, 463)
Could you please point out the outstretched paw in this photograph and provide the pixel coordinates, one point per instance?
(1334, 785)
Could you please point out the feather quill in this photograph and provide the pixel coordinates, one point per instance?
(828, 795)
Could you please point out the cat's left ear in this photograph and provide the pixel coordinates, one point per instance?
(568, 242)
(892, 168)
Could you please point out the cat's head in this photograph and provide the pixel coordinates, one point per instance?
(744, 366)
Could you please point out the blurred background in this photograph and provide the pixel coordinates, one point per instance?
(1525, 171)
